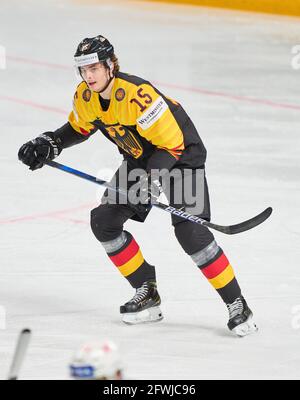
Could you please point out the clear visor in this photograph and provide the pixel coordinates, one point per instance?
(83, 60)
(88, 59)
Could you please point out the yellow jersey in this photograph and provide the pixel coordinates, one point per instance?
(139, 120)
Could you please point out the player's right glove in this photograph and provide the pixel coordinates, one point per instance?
(150, 189)
(147, 193)
(38, 150)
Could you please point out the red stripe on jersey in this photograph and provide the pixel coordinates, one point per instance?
(84, 132)
(215, 268)
(174, 148)
(125, 255)
(175, 153)
(177, 156)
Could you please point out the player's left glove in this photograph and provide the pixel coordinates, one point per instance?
(40, 149)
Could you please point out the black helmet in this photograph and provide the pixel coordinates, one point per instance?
(97, 46)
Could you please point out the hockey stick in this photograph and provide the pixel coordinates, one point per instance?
(229, 229)
(19, 354)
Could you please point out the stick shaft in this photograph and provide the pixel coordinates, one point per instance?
(227, 229)
(22, 345)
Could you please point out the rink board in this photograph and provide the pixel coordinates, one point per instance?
(288, 7)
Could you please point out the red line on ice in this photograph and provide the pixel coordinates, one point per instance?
(269, 103)
(51, 214)
(37, 62)
(34, 105)
(231, 96)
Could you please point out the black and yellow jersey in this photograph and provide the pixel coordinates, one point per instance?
(141, 121)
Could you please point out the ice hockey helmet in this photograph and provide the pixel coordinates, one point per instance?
(97, 360)
(93, 50)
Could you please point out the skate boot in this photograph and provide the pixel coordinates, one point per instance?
(143, 307)
(240, 317)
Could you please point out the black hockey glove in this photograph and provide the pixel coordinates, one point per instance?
(147, 194)
(40, 149)
(150, 189)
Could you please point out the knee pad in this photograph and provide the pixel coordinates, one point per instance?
(107, 222)
(192, 237)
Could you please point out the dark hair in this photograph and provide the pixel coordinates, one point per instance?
(115, 60)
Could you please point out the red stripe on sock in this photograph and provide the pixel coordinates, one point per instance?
(215, 268)
(125, 255)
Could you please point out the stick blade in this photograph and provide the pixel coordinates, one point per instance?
(242, 226)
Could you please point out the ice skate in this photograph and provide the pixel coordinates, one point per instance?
(240, 318)
(144, 306)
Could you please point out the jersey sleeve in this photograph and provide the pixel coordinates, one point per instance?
(78, 118)
(156, 122)
(66, 136)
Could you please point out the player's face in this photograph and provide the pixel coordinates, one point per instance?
(95, 75)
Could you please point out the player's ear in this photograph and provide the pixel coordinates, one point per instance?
(111, 70)
(111, 67)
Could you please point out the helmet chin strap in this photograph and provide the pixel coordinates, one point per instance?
(109, 67)
(107, 84)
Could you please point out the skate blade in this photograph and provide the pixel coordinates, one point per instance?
(152, 314)
(246, 328)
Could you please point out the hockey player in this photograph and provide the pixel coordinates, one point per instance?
(97, 360)
(153, 133)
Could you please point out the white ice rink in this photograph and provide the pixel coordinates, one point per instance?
(232, 73)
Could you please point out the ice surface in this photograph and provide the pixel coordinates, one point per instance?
(232, 73)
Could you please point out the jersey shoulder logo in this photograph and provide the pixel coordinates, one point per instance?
(120, 94)
(86, 95)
